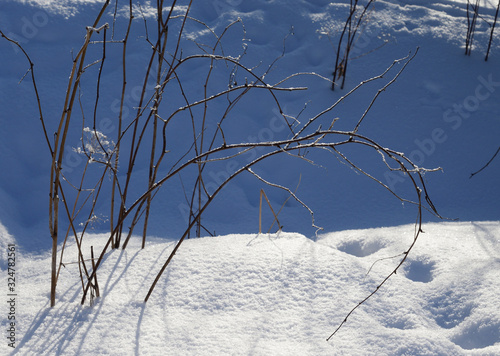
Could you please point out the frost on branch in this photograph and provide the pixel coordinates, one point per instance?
(95, 145)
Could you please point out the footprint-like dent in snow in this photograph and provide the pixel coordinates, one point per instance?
(450, 309)
(361, 248)
(478, 334)
(400, 321)
(419, 270)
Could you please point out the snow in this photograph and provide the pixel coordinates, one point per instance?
(277, 294)
(283, 293)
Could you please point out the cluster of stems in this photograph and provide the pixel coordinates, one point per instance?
(109, 173)
(472, 17)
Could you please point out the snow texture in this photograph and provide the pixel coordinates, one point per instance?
(276, 294)
(285, 293)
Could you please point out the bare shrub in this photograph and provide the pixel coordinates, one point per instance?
(355, 22)
(112, 170)
(472, 18)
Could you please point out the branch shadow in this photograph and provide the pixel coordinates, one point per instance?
(488, 242)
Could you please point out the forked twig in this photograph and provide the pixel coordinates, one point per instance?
(262, 193)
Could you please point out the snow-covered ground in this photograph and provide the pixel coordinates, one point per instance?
(442, 111)
(280, 294)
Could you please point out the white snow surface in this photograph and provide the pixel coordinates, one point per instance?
(276, 294)
(442, 111)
